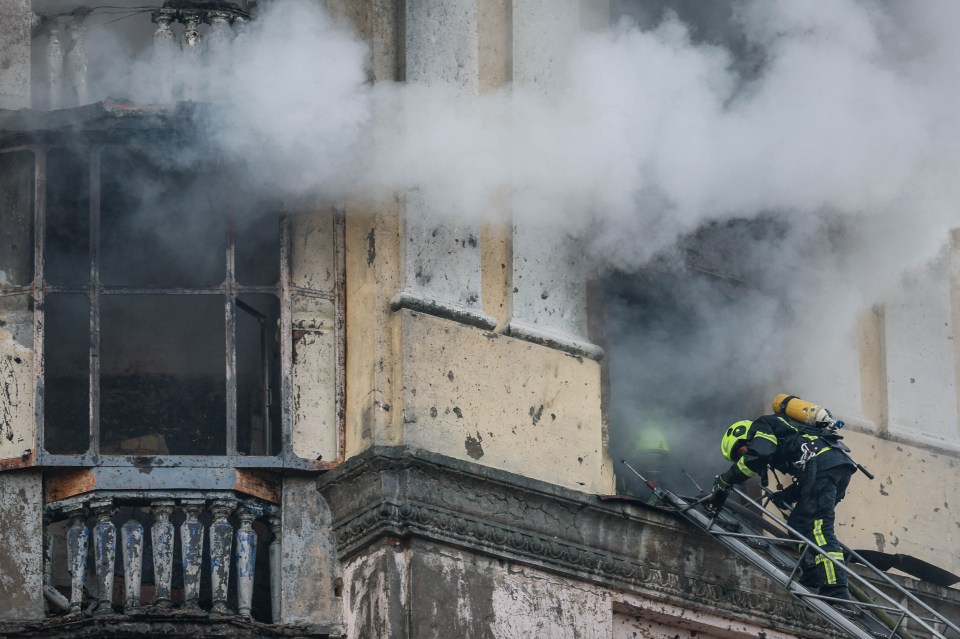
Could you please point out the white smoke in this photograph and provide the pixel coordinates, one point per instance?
(833, 119)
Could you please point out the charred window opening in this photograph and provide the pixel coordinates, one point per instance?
(16, 223)
(691, 348)
(161, 308)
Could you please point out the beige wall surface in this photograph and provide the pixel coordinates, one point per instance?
(911, 508)
(17, 423)
(509, 404)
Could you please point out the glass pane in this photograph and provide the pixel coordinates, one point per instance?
(16, 218)
(67, 259)
(161, 225)
(162, 375)
(258, 375)
(66, 412)
(258, 249)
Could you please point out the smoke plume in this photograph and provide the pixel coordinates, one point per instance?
(746, 177)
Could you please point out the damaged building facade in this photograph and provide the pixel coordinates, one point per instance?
(346, 418)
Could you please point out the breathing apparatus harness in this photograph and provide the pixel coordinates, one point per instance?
(824, 429)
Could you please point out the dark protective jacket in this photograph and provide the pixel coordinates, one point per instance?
(778, 442)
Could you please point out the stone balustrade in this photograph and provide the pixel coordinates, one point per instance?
(191, 547)
(174, 65)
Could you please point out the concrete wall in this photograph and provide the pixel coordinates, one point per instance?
(503, 402)
(309, 568)
(433, 546)
(21, 546)
(15, 19)
(921, 360)
(907, 428)
(429, 299)
(424, 590)
(912, 507)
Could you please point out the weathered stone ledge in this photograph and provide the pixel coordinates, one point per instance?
(642, 550)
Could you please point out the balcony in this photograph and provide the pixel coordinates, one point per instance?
(149, 553)
(75, 50)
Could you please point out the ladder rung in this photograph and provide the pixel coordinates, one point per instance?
(765, 553)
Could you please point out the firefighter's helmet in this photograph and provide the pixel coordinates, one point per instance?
(737, 432)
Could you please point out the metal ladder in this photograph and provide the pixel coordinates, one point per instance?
(761, 538)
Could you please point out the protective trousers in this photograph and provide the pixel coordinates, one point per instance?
(813, 517)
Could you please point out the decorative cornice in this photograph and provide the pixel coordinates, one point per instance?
(397, 492)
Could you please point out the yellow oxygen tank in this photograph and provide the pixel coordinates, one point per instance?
(799, 409)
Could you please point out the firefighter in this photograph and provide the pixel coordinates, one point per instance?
(821, 473)
(649, 456)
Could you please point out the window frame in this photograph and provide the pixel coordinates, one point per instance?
(230, 289)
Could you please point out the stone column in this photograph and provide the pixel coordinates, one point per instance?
(78, 544)
(77, 61)
(190, 45)
(132, 533)
(161, 534)
(164, 52)
(221, 546)
(105, 547)
(441, 248)
(191, 546)
(246, 560)
(219, 36)
(54, 60)
(240, 25)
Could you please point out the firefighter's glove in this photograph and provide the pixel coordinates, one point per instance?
(786, 498)
(721, 490)
(720, 484)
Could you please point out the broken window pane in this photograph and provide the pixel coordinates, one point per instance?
(16, 218)
(67, 259)
(147, 239)
(172, 214)
(163, 375)
(258, 375)
(66, 412)
(258, 249)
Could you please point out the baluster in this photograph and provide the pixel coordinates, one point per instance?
(246, 561)
(221, 545)
(218, 37)
(105, 547)
(190, 44)
(240, 24)
(275, 563)
(77, 60)
(161, 535)
(54, 65)
(78, 544)
(132, 532)
(191, 540)
(164, 51)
